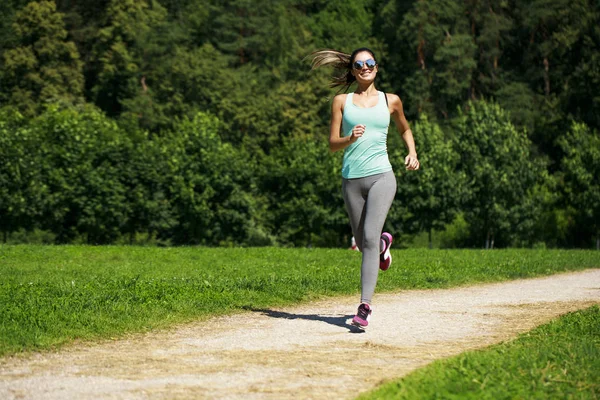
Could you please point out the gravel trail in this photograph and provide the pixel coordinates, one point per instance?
(304, 352)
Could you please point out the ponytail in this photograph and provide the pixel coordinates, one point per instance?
(341, 62)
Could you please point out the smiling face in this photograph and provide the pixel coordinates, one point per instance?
(360, 67)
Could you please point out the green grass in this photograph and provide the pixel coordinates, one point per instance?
(52, 295)
(560, 360)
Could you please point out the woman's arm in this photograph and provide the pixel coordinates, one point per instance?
(336, 141)
(395, 104)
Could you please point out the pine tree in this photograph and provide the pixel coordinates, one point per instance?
(122, 57)
(44, 66)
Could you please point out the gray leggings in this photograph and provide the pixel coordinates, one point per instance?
(368, 201)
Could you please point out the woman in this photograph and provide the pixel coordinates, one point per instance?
(359, 126)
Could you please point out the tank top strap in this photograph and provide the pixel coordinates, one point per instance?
(349, 99)
(383, 101)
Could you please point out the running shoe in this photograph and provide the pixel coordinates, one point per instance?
(385, 257)
(361, 319)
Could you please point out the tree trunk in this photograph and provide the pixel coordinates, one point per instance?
(420, 47)
(421, 55)
(430, 244)
(547, 76)
(489, 240)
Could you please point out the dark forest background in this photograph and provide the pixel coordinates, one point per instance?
(182, 122)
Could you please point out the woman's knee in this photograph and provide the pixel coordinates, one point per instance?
(370, 242)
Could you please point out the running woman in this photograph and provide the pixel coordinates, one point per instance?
(359, 126)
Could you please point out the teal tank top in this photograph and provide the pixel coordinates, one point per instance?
(368, 155)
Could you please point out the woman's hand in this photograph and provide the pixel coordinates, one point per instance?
(411, 162)
(357, 132)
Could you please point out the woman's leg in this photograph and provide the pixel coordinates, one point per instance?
(355, 196)
(382, 189)
(368, 201)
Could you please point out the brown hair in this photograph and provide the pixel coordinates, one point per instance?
(341, 62)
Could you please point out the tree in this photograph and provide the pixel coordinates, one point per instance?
(44, 66)
(302, 181)
(7, 12)
(432, 195)
(555, 38)
(183, 85)
(492, 29)
(122, 53)
(433, 53)
(146, 175)
(212, 187)
(501, 175)
(580, 169)
(151, 64)
(80, 154)
(343, 25)
(578, 43)
(454, 66)
(20, 187)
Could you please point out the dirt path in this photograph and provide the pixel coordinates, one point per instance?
(303, 352)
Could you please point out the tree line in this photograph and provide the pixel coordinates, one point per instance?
(199, 122)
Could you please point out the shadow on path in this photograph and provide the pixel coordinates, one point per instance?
(332, 320)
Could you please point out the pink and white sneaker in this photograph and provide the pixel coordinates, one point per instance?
(385, 257)
(361, 319)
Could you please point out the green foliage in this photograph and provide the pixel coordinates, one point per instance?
(431, 196)
(456, 65)
(53, 295)
(43, 66)
(495, 23)
(7, 12)
(557, 360)
(302, 181)
(122, 51)
(19, 177)
(556, 57)
(581, 176)
(342, 25)
(146, 177)
(520, 101)
(79, 155)
(151, 64)
(501, 176)
(212, 186)
(264, 32)
(183, 85)
(434, 34)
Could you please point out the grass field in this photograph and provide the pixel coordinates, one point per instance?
(559, 360)
(52, 295)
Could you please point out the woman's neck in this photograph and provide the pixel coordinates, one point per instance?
(368, 89)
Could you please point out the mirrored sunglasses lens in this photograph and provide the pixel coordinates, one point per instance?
(358, 64)
(370, 63)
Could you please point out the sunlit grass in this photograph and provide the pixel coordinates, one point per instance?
(560, 360)
(51, 295)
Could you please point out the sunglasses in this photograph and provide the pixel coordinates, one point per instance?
(370, 63)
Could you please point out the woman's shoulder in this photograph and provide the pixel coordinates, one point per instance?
(339, 100)
(340, 97)
(392, 98)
